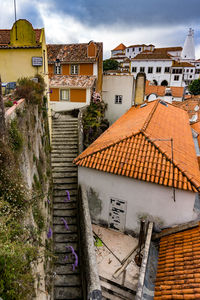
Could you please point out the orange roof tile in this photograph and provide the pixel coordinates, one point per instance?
(191, 106)
(168, 49)
(152, 55)
(135, 135)
(178, 272)
(160, 90)
(181, 64)
(120, 47)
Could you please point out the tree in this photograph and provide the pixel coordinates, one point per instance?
(110, 64)
(194, 87)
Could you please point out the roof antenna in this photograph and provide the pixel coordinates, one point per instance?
(15, 18)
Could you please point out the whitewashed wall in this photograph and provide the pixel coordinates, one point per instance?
(117, 85)
(143, 199)
(159, 77)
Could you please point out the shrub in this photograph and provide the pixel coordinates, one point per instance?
(8, 103)
(15, 137)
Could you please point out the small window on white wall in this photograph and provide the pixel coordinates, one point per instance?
(64, 95)
(118, 99)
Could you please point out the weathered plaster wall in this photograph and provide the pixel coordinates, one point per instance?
(147, 200)
(117, 85)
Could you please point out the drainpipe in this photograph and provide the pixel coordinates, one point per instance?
(2, 115)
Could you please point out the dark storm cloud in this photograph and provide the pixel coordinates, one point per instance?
(31, 13)
(131, 12)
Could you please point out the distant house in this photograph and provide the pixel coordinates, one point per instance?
(23, 52)
(143, 166)
(118, 93)
(75, 71)
(168, 94)
(192, 106)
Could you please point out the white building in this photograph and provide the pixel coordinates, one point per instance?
(129, 173)
(118, 94)
(134, 50)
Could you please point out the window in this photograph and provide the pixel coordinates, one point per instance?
(118, 99)
(187, 70)
(142, 69)
(191, 70)
(190, 76)
(176, 77)
(158, 70)
(140, 49)
(197, 71)
(150, 69)
(57, 70)
(133, 49)
(167, 69)
(177, 71)
(74, 69)
(64, 95)
(134, 69)
(127, 50)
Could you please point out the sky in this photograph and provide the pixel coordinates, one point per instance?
(160, 22)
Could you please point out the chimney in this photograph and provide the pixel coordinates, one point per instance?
(140, 88)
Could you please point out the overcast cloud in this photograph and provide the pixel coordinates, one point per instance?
(160, 22)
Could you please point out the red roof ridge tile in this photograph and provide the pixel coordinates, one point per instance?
(147, 121)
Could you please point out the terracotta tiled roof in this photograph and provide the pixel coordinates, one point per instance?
(178, 273)
(82, 81)
(5, 36)
(160, 90)
(71, 52)
(152, 56)
(167, 49)
(182, 64)
(130, 147)
(120, 47)
(191, 105)
(137, 45)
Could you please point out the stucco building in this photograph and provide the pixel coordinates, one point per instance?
(144, 166)
(23, 52)
(75, 71)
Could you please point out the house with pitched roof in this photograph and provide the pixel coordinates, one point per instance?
(23, 52)
(143, 166)
(168, 94)
(75, 71)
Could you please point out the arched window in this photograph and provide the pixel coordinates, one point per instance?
(155, 82)
(164, 83)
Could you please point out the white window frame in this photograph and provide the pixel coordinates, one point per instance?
(143, 69)
(57, 70)
(166, 69)
(158, 69)
(64, 95)
(74, 69)
(176, 77)
(118, 99)
(150, 69)
(134, 68)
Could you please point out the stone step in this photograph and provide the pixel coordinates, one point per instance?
(62, 229)
(69, 186)
(70, 220)
(65, 269)
(65, 120)
(65, 134)
(115, 291)
(63, 143)
(61, 199)
(64, 170)
(65, 212)
(65, 129)
(61, 159)
(65, 205)
(67, 280)
(60, 164)
(65, 180)
(60, 248)
(62, 193)
(66, 293)
(67, 148)
(64, 152)
(65, 238)
(64, 174)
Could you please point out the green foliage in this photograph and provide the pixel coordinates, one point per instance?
(94, 123)
(8, 103)
(110, 64)
(15, 137)
(30, 90)
(194, 87)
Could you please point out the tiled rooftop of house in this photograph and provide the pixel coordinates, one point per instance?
(178, 273)
(160, 90)
(192, 106)
(120, 47)
(131, 147)
(83, 81)
(71, 52)
(5, 37)
(152, 55)
(182, 64)
(168, 49)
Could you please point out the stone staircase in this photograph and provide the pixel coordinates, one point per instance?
(67, 282)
